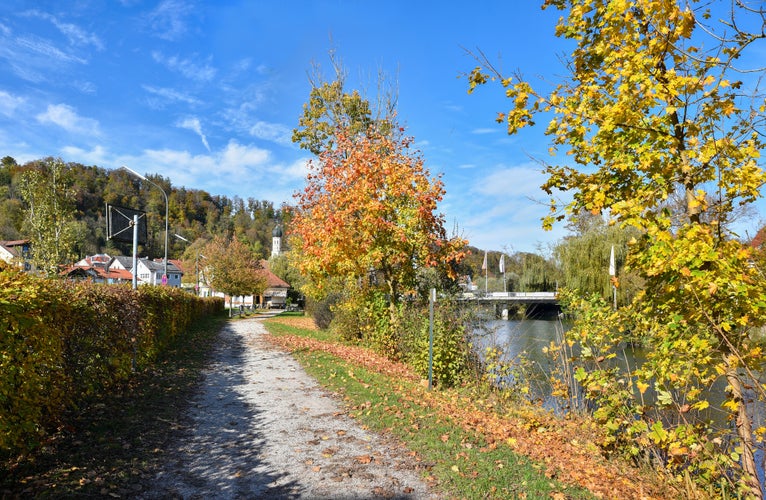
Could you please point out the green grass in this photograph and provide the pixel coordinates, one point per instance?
(276, 328)
(112, 445)
(461, 462)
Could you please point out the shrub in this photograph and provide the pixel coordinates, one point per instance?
(322, 309)
(452, 357)
(65, 341)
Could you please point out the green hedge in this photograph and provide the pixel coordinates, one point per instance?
(65, 341)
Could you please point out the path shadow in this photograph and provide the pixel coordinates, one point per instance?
(219, 453)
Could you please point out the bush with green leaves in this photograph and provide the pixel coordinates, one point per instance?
(453, 360)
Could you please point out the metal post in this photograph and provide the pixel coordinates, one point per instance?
(135, 250)
(431, 338)
(196, 273)
(166, 210)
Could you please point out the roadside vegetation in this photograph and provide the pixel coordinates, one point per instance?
(657, 127)
(474, 443)
(114, 442)
(660, 137)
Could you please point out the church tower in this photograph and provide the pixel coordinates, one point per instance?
(276, 241)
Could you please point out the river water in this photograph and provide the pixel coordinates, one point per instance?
(526, 339)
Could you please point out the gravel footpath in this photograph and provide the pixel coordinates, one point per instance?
(260, 427)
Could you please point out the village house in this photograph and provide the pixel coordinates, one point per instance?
(275, 294)
(16, 252)
(98, 269)
(102, 268)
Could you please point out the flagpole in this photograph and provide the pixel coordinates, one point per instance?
(502, 270)
(613, 274)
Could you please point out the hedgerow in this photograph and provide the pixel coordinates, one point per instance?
(66, 341)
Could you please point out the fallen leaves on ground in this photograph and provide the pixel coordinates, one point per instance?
(537, 434)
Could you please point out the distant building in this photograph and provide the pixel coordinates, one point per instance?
(99, 268)
(150, 272)
(102, 268)
(17, 253)
(276, 240)
(275, 294)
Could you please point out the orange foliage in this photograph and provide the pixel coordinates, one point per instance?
(369, 203)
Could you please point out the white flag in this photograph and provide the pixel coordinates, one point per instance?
(612, 267)
(502, 263)
(484, 266)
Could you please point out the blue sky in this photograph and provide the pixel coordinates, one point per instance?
(207, 93)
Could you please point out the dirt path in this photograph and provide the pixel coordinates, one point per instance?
(262, 428)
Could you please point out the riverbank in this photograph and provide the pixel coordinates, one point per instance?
(481, 452)
(198, 424)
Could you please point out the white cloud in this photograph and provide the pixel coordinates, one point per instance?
(73, 33)
(297, 170)
(503, 208)
(36, 46)
(33, 58)
(167, 20)
(505, 182)
(238, 169)
(9, 103)
(239, 159)
(166, 95)
(242, 105)
(190, 69)
(193, 124)
(96, 156)
(84, 86)
(274, 132)
(67, 118)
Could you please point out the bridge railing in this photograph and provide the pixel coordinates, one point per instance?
(517, 296)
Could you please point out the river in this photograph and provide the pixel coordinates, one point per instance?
(526, 339)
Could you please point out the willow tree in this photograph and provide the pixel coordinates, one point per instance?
(584, 258)
(656, 104)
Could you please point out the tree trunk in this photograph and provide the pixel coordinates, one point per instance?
(745, 434)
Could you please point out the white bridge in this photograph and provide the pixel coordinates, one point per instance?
(512, 297)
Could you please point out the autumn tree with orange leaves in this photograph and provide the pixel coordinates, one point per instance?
(368, 212)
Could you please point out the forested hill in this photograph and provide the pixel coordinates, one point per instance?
(192, 213)
(198, 216)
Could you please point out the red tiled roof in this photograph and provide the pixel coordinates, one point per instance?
(14, 243)
(272, 279)
(113, 274)
(178, 264)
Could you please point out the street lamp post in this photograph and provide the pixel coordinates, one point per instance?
(143, 178)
